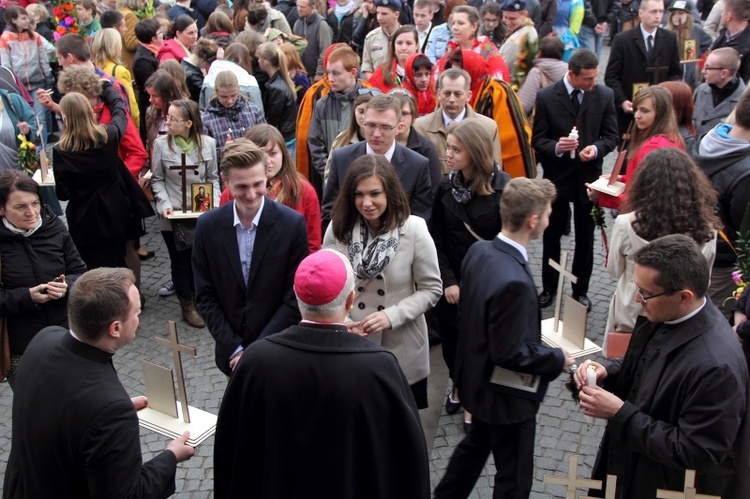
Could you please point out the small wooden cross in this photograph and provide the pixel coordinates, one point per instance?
(688, 492)
(656, 71)
(563, 273)
(572, 482)
(183, 171)
(43, 163)
(174, 345)
(610, 488)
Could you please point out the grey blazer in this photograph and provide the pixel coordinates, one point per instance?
(706, 115)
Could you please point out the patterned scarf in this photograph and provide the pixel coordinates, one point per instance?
(371, 258)
(461, 193)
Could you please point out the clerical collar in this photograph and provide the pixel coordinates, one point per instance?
(79, 340)
(688, 316)
(307, 322)
(519, 247)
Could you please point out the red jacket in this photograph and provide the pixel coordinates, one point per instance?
(131, 149)
(171, 49)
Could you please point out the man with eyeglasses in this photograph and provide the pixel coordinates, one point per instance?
(678, 400)
(453, 95)
(382, 125)
(720, 91)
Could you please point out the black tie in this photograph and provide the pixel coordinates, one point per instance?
(650, 48)
(574, 99)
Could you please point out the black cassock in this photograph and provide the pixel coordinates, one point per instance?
(315, 411)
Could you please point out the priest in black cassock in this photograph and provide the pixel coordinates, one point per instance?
(318, 411)
(75, 430)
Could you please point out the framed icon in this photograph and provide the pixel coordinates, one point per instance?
(689, 52)
(637, 87)
(201, 196)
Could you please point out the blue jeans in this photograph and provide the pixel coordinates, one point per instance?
(589, 39)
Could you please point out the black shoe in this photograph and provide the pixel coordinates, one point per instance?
(584, 300)
(467, 427)
(146, 255)
(452, 407)
(546, 299)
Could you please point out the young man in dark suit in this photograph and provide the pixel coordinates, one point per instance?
(678, 399)
(636, 50)
(501, 337)
(244, 257)
(575, 101)
(75, 429)
(382, 125)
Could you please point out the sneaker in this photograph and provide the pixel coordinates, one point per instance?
(167, 289)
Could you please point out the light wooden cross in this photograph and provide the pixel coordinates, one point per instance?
(43, 163)
(560, 267)
(183, 171)
(572, 482)
(174, 345)
(610, 488)
(688, 492)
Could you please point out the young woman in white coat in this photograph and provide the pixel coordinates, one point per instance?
(394, 258)
(184, 136)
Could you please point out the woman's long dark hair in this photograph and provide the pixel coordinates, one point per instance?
(345, 214)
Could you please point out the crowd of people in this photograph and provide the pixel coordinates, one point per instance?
(369, 168)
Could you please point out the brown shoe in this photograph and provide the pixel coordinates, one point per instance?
(190, 314)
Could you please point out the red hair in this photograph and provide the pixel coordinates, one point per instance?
(682, 103)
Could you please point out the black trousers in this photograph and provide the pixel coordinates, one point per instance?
(182, 270)
(583, 258)
(511, 445)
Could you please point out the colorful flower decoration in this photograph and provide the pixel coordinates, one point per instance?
(65, 17)
(27, 157)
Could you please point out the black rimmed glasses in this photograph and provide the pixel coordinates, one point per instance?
(709, 68)
(645, 298)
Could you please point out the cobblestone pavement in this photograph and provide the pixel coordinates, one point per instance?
(561, 430)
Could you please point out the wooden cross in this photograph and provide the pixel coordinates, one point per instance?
(572, 482)
(688, 491)
(174, 345)
(183, 171)
(656, 71)
(610, 488)
(43, 163)
(563, 273)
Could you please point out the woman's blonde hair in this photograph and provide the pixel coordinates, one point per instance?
(81, 130)
(226, 79)
(271, 53)
(106, 47)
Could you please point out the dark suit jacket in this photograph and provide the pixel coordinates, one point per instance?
(628, 62)
(299, 412)
(238, 312)
(500, 327)
(413, 169)
(690, 411)
(75, 431)
(596, 123)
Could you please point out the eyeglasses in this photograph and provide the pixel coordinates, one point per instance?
(369, 91)
(709, 68)
(646, 298)
(172, 119)
(383, 128)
